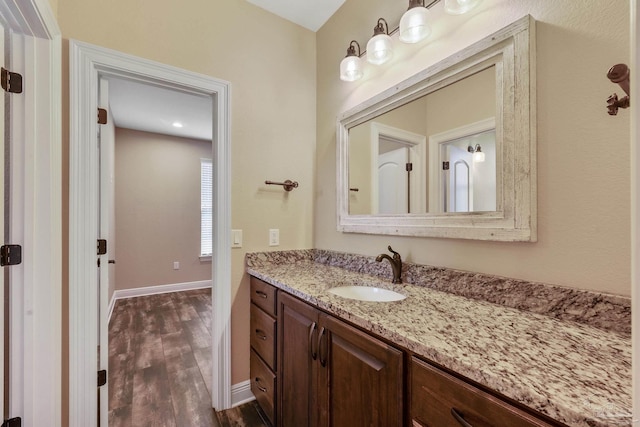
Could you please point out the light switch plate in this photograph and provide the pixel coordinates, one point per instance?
(236, 238)
(274, 237)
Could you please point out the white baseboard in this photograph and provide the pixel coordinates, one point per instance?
(154, 290)
(241, 393)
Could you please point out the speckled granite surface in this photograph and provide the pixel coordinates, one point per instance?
(574, 372)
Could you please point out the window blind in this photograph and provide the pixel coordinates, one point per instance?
(206, 207)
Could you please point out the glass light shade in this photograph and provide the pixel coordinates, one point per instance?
(458, 7)
(478, 157)
(379, 49)
(414, 25)
(351, 69)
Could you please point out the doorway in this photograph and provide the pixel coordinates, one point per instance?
(88, 63)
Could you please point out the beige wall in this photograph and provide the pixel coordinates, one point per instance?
(583, 154)
(270, 64)
(157, 198)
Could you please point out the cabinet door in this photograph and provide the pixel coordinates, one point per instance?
(296, 371)
(360, 378)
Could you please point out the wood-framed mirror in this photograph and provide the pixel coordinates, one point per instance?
(449, 152)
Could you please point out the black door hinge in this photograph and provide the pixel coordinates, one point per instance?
(408, 167)
(102, 246)
(102, 116)
(12, 422)
(11, 82)
(445, 166)
(102, 377)
(10, 255)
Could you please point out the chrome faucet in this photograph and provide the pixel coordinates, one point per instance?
(396, 264)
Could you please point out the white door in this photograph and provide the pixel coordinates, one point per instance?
(459, 181)
(392, 182)
(106, 218)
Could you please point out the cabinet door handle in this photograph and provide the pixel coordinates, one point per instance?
(459, 418)
(323, 362)
(262, 389)
(261, 294)
(260, 333)
(314, 354)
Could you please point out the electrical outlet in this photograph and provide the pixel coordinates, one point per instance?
(176, 265)
(274, 236)
(236, 238)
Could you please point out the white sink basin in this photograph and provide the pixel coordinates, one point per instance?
(367, 293)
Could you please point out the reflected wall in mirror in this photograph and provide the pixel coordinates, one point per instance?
(395, 163)
(451, 151)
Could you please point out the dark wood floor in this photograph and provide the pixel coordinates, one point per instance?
(160, 361)
(247, 415)
(160, 364)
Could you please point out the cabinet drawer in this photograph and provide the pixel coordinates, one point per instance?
(263, 335)
(263, 295)
(438, 398)
(263, 385)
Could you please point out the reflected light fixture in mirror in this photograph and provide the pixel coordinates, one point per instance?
(351, 65)
(458, 7)
(414, 24)
(380, 47)
(478, 155)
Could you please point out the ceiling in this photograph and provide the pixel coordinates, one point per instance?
(150, 108)
(311, 14)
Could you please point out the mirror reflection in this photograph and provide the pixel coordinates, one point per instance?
(435, 154)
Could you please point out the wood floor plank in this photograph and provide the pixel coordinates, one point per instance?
(121, 373)
(246, 415)
(121, 417)
(175, 344)
(191, 400)
(180, 362)
(196, 333)
(186, 311)
(203, 358)
(149, 351)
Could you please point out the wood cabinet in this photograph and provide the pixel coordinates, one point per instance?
(332, 374)
(263, 357)
(439, 399)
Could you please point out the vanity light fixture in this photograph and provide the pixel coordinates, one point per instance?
(478, 155)
(458, 7)
(351, 65)
(414, 24)
(380, 47)
(414, 27)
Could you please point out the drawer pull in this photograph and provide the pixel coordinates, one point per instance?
(314, 353)
(261, 294)
(260, 333)
(323, 362)
(262, 389)
(459, 418)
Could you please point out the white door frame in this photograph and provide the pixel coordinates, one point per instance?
(635, 202)
(36, 214)
(86, 63)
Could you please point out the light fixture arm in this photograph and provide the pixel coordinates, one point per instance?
(351, 50)
(416, 3)
(379, 29)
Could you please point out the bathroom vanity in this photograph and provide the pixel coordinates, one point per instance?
(434, 358)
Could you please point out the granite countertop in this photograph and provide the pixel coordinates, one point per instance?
(575, 373)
